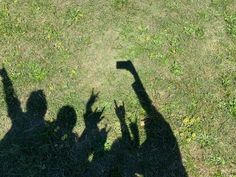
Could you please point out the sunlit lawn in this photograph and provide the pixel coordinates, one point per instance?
(184, 51)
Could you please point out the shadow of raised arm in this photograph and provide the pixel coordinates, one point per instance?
(11, 99)
(138, 87)
(120, 113)
(159, 154)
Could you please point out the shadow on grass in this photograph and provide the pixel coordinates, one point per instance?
(36, 147)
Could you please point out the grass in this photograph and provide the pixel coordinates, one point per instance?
(184, 51)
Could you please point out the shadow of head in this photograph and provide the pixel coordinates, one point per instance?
(66, 118)
(37, 105)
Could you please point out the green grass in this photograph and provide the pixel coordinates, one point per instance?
(184, 51)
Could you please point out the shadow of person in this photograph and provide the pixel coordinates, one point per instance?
(159, 155)
(23, 122)
(69, 153)
(123, 149)
(61, 160)
(35, 147)
(93, 139)
(26, 126)
(92, 135)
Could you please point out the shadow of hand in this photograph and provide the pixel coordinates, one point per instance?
(104, 132)
(120, 111)
(96, 116)
(92, 99)
(135, 132)
(92, 117)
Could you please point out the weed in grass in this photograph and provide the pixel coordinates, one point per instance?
(231, 106)
(35, 71)
(73, 15)
(50, 32)
(193, 30)
(145, 43)
(231, 24)
(40, 7)
(203, 15)
(188, 130)
(219, 174)
(175, 44)
(216, 160)
(9, 26)
(226, 81)
(206, 140)
(231, 54)
(192, 106)
(176, 69)
(173, 5)
(82, 41)
(119, 4)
